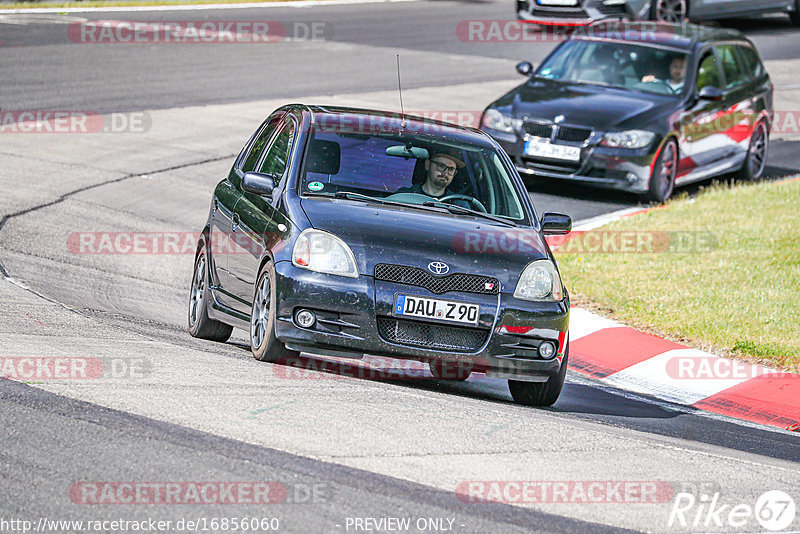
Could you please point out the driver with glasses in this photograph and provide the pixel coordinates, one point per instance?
(440, 169)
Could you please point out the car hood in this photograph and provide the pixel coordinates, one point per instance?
(408, 236)
(598, 107)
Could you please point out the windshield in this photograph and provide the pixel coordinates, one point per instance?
(628, 66)
(412, 169)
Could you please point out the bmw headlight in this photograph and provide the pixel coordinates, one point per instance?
(628, 139)
(320, 251)
(494, 120)
(540, 281)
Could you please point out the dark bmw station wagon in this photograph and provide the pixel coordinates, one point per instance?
(343, 232)
(641, 107)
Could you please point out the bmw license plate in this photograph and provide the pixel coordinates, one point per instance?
(543, 148)
(557, 2)
(435, 309)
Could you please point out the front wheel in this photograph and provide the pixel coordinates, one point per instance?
(675, 11)
(756, 160)
(540, 393)
(662, 177)
(264, 345)
(200, 324)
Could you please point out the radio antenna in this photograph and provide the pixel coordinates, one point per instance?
(400, 90)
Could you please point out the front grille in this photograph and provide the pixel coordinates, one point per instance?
(572, 134)
(413, 276)
(617, 10)
(431, 336)
(537, 129)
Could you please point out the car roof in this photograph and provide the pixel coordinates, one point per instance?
(360, 120)
(680, 36)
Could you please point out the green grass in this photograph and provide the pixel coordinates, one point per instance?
(736, 293)
(122, 3)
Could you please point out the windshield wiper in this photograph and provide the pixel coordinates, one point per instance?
(349, 195)
(454, 208)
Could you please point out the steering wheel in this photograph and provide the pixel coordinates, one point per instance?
(663, 86)
(473, 202)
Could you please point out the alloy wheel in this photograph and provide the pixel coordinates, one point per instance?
(670, 10)
(198, 287)
(259, 321)
(758, 151)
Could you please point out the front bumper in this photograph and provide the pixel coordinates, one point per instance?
(353, 314)
(613, 168)
(581, 14)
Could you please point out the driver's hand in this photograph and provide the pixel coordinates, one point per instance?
(649, 78)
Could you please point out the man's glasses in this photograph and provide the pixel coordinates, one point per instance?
(444, 169)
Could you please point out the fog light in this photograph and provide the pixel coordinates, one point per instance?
(547, 350)
(305, 318)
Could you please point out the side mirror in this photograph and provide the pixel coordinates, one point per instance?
(525, 68)
(709, 92)
(258, 183)
(556, 224)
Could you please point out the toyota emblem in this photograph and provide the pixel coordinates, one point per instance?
(438, 267)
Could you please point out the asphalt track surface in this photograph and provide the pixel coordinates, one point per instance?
(379, 448)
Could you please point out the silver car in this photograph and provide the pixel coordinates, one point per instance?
(581, 12)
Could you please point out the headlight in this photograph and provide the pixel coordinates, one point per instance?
(628, 139)
(540, 281)
(320, 251)
(494, 120)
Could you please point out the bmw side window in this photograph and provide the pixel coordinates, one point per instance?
(730, 66)
(258, 146)
(708, 74)
(278, 154)
(752, 63)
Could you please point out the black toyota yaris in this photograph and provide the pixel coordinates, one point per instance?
(345, 232)
(641, 107)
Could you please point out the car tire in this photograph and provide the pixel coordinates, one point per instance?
(662, 178)
(794, 16)
(200, 324)
(757, 152)
(679, 7)
(446, 370)
(264, 344)
(540, 393)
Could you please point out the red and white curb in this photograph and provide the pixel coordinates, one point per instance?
(628, 359)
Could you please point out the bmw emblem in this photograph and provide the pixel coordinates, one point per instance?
(558, 119)
(438, 267)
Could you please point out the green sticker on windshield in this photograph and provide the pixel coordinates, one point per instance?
(316, 186)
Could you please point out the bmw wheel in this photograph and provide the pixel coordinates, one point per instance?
(200, 324)
(662, 177)
(264, 345)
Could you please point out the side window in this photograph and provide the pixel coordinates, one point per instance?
(278, 156)
(730, 66)
(708, 74)
(258, 145)
(752, 63)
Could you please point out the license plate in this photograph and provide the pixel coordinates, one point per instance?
(557, 2)
(435, 309)
(545, 149)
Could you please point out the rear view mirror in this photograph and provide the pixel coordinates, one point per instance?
(709, 92)
(258, 183)
(556, 224)
(525, 68)
(407, 152)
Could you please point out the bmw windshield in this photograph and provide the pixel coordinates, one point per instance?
(637, 67)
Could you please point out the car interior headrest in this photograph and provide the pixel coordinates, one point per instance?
(323, 157)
